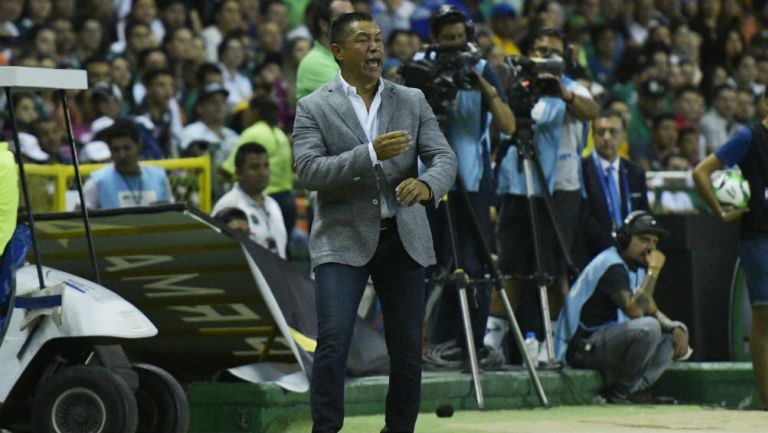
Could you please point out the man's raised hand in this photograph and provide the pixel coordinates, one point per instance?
(391, 144)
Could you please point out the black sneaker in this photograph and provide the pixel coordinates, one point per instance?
(614, 396)
(642, 397)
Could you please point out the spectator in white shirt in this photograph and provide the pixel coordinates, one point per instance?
(264, 216)
(211, 109)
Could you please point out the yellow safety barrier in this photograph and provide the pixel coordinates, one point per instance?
(48, 184)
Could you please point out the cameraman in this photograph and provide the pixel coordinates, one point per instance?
(558, 126)
(468, 131)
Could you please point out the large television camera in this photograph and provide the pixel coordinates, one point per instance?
(530, 79)
(441, 72)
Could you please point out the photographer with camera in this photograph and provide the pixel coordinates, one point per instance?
(478, 102)
(554, 109)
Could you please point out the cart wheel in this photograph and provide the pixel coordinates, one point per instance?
(85, 399)
(163, 405)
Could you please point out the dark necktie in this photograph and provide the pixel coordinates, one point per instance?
(613, 195)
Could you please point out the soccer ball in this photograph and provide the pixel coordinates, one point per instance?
(731, 188)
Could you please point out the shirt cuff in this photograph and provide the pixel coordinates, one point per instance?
(372, 154)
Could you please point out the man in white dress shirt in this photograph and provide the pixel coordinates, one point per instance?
(264, 216)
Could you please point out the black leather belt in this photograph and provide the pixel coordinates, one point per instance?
(387, 223)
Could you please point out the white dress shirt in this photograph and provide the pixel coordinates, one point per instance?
(265, 221)
(369, 120)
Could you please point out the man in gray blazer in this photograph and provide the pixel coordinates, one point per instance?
(356, 142)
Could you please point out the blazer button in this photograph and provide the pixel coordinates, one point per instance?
(356, 179)
(375, 202)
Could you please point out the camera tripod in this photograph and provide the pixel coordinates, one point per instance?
(461, 280)
(528, 161)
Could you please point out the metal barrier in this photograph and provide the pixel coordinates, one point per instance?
(190, 180)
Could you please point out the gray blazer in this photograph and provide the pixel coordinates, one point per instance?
(331, 157)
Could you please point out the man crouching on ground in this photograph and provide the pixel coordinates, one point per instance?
(610, 321)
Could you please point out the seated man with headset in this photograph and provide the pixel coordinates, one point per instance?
(611, 322)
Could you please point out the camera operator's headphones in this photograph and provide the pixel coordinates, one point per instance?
(555, 33)
(637, 222)
(446, 12)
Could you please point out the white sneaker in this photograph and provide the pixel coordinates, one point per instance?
(496, 330)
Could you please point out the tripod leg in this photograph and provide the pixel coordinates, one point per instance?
(542, 280)
(547, 324)
(499, 285)
(460, 279)
(521, 346)
(473, 364)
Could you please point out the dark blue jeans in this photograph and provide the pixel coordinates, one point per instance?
(399, 284)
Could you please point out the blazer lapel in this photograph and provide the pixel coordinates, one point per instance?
(595, 171)
(388, 106)
(340, 103)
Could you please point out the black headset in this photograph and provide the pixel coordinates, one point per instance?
(624, 234)
(446, 11)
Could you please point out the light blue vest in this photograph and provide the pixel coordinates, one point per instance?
(548, 115)
(569, 320)
(117, 191)
(468, 133)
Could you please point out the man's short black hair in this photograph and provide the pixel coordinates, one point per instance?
(340, 26)
(121, 128)
(397, 32)
(246, 149)
(608, 113)
(545, 32)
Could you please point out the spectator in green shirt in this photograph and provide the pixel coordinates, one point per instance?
(265, 131)
(318, 66)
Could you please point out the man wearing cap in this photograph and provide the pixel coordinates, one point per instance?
(610, 321)
(211, 109)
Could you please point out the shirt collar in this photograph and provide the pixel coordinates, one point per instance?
(349, 90)
(248, 198)
(604, 162)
